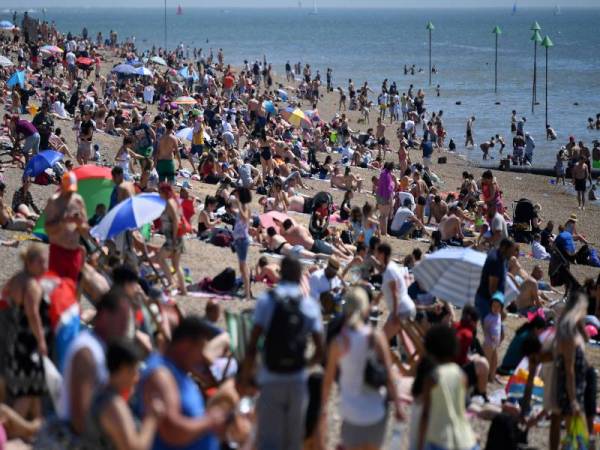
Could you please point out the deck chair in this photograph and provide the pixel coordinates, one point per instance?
(239, 327)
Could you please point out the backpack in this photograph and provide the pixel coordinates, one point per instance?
(285, 341)
(223, 282)
(505, 434)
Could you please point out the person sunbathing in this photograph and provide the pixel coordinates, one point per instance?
(277, 244)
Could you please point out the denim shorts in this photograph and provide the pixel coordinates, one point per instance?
(241, 248)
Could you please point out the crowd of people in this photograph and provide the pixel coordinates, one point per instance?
(128, 369)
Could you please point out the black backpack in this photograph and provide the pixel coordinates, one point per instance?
(285, 341)
(224, 282)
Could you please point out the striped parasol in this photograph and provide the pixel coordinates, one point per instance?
(296, 117)
(453, 274)
(53, 49)
(185, 100)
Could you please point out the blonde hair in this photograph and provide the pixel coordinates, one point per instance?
(575, 310)
(32, 251)
(356, 306)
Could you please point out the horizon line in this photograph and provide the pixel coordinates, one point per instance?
(324, 8)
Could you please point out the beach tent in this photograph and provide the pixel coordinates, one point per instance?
(42, 161)
(16, 78)
(94, 184)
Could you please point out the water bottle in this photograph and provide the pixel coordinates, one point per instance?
(396, 438)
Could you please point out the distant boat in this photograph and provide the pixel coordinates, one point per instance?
(557, 11)
(314, 11)
(514, 9)
(179, 10)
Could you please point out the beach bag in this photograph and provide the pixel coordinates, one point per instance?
(375, 375)
(577, 437)
(223, 282)
(222, 238)
(505, 434)
(285, 341)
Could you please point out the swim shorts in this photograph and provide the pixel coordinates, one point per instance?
(580, 184)
(65, 262)
(166, 170)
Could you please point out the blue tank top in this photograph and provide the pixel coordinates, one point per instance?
(192, 403)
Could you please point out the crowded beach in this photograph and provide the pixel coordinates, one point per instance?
(206, 256)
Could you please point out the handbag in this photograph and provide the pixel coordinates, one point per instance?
(577, 437)
(375, 375)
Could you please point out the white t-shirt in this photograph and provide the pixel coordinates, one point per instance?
(319, 283)
(499, 224)
(406, 307)
(70, 57)
(403, 196)
(402, 215)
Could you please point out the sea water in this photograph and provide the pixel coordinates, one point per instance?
(372, 45)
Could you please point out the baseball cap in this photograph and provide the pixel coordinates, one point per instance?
(499, 297)
(69, 182)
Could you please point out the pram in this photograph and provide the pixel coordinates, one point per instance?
(322, 208)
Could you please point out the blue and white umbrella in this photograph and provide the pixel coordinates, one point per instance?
(130, 214)
(42, 161)
(125, 69)
(144, 71)
(453, 274)
(6, 25)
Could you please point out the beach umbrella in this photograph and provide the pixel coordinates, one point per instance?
(296, 117)
(453, 274)
(84, 61)
(536, 37)
(429, 27)
(16, 78)
(130, 214)
(547, 43)
(42, 161)
(497, 31)
(158, 60)
(6, 25)
(5, 62)
(282, 94)
(94, 184)
(185, 100)
(126, 69)
(269, 107)
(51, 49)
(144, 71)
(188, 133)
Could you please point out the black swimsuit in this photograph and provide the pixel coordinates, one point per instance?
(265, 153)
(277, 250)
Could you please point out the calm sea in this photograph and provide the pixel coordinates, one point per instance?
(376, 44)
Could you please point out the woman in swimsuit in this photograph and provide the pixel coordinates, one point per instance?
(266, 155)
(206, 220)
(278, 245)
(346, 207)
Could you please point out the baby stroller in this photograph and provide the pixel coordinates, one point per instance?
(322, 208)
(523, 215)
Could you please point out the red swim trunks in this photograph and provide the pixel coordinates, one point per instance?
(65, 262)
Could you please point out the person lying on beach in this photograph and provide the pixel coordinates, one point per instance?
(276, 243)
(266, 272)
(299, 235)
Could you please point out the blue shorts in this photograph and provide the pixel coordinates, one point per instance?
(241, 248)
(197, 149)
(483, 306)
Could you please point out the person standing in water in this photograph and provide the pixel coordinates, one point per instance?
(469, 141)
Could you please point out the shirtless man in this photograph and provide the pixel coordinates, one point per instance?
(437, 210)
(380, 134)
(580, 173)
(167, 150)
(66, 222)
(420, 187)
(122, 190)
(299, 235)
(265, 272)
(451, 228)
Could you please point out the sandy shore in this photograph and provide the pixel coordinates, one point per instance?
(206, 260)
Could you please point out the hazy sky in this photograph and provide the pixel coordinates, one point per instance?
(306, 3)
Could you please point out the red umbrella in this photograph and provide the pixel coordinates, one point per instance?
(92, 171)
(83, 61)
